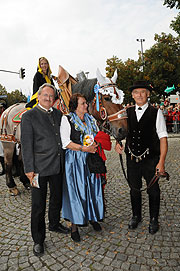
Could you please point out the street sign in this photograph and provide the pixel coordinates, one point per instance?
(174, 99)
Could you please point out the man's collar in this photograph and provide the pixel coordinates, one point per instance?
(50, 109)
(143, 106)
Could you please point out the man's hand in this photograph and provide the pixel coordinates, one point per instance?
(118, 148)
(30, 176)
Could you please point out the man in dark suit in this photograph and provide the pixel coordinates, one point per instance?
(42, 154)
(146, 149)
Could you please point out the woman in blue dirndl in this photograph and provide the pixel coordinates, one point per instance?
(82, 190)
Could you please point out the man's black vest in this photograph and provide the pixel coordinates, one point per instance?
(142, 139)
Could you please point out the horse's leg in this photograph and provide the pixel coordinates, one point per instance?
(2, 165)
(8, 161)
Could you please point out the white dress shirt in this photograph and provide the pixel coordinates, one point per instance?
(160, 121)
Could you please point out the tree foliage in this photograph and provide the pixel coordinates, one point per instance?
(175, 24)
(162, 62)
(128, 71)
(172, 3)
(161, 67)
(12, 98)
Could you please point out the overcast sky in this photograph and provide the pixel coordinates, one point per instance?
(77, 34)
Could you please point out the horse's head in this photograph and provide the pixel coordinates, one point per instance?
(108, 100)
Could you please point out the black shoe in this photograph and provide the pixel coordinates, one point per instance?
(60, 229)
(75, 236)
(153, 226)
(38, 250)
(135, 220)
(96, 226)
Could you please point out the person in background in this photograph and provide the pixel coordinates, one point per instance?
(2, 108)
(146, 149)
(2, 159)
(42, 76)
(43, 160)
(169, 119)
(82, 190)
(176, 119)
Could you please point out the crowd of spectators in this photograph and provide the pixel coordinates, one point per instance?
(171, 114)
(172, 117)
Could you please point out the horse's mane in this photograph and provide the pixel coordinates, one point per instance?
(86, 87)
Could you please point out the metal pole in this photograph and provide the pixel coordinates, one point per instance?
(142, 56)
(9, 71)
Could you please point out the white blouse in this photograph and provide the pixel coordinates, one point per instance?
(65, 132)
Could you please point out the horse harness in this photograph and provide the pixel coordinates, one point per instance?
(102, 111)
(4, 137)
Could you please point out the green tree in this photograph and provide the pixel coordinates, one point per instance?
(128, 72)
(172, 3)
(12, 97)
(162, 63)
(161, 67)
(175, 24)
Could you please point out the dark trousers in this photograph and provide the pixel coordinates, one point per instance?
(38, 227)
(135, 171)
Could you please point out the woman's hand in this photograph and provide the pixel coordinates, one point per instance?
(91, 149)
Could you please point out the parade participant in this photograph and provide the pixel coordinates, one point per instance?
(82, 190)
(169, 119)
(146, 149)
(42, 76)
(2, 108)
(2, 159)
(43, 161)
(176, 119)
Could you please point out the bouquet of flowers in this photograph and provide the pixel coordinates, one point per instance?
(88, 140)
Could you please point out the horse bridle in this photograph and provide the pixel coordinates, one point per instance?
(107, 119)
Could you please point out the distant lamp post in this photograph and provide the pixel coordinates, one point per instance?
(142, 57)
(86, 73)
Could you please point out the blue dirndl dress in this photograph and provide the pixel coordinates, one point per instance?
(82, 199)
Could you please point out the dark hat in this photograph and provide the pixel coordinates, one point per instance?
(141, 84)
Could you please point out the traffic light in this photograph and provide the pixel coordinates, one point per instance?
(22, 73)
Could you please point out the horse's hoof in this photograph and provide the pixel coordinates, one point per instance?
(14, 191)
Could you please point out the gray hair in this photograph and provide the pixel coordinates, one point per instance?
(46, 85)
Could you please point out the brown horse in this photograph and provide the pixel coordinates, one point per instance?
(103, 91)
(110, 112)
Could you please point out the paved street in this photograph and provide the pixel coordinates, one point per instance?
(115, 248)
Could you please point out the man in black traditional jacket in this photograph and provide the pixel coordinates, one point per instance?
(146, 149)
(42, 153)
